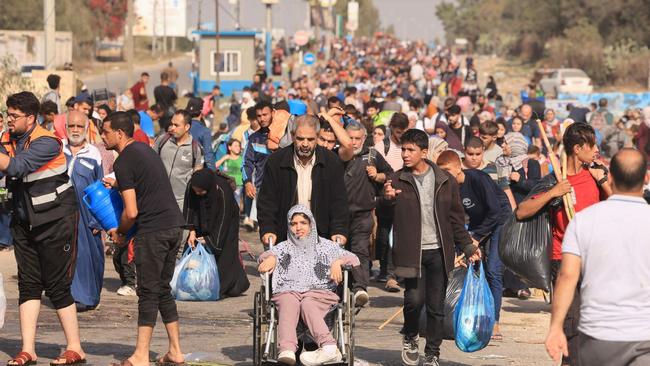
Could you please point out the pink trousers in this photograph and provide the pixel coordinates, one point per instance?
(312, 306)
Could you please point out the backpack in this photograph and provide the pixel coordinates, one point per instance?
(196, 148)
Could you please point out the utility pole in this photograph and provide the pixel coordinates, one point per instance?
(155, 25)
(217, 61)
(237, 14)
(269, 27)
(130, 19)
(49, 31)
(164, 26)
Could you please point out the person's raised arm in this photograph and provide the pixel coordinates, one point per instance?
(346, 151)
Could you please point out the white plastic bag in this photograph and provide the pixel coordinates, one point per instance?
(196, 277)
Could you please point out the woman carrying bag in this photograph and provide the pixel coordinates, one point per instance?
(211, 212)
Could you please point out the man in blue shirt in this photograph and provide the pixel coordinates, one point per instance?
(200, 132)
(148, 117)
(488, 209)
(257, 151)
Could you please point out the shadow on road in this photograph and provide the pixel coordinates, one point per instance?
(389, 357)
(386, 301)
(527, 307)
(242, 355)
(50, 350)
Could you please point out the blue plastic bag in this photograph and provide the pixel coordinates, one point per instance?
(196, 277)
(474, 314)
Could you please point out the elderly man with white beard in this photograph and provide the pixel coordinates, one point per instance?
(84, 168)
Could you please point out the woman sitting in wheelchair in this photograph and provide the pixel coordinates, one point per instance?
(306, 271)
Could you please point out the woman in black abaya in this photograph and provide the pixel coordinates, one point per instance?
(212, 213)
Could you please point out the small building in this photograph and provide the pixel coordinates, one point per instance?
(28, 47)
(236, 61)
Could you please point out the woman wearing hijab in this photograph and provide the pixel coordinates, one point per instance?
(521, 174)
(306, 271)
(212, 213)
(514, 169)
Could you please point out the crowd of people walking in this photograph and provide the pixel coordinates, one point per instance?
(388, 157)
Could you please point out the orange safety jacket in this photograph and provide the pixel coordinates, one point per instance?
(46, 191)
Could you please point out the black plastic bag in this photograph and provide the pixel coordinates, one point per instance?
(524, 249)
(525, 245)
(454, 288)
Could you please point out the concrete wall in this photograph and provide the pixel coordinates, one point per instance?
(28, 47)
(246, 45)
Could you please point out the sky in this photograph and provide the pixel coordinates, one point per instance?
(412, 19)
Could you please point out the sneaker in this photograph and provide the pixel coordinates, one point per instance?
(249, 224)
(431, 360)
(126, 291)
(360, 298)
(319, 357)
(410, 350)
(392, 285)
(287, 358)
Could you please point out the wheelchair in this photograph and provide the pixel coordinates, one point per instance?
(340, 320)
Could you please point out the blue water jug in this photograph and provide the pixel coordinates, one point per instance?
(297, 107)
(105, 204)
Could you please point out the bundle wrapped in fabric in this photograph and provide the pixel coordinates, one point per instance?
(196, 277)
(474, 316)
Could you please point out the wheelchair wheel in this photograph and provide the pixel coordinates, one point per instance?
(350, 314)
(257, 329)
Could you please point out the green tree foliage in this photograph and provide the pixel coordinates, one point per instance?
(369, 22)
(570, 33)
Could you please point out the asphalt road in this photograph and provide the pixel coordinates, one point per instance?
(115, 78)
(220, 333)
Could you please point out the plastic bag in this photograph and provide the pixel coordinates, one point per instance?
(454, 288)
(524, 245)
(474, 315)
(524, 249)
(196, 277)
(3, 302)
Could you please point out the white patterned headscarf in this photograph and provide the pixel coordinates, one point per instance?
(304, 264)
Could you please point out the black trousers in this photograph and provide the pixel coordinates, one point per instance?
(383, 251)
(428, 290)
(155, 257)
(571, 321)
(46, 257)
(359, 244)
(122, 266)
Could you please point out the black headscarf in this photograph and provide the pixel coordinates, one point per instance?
(206, 205)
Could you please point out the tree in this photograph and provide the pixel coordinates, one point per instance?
(86, 19)
(369, 22)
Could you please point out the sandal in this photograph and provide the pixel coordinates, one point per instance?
(524, 294)
(166, 361)
(22, 359)
(70, 357)
(497, 337)
(125, 362)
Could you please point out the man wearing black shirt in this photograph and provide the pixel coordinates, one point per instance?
(458, 133)
(488, 208)
(165, 98)
(149, 204)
